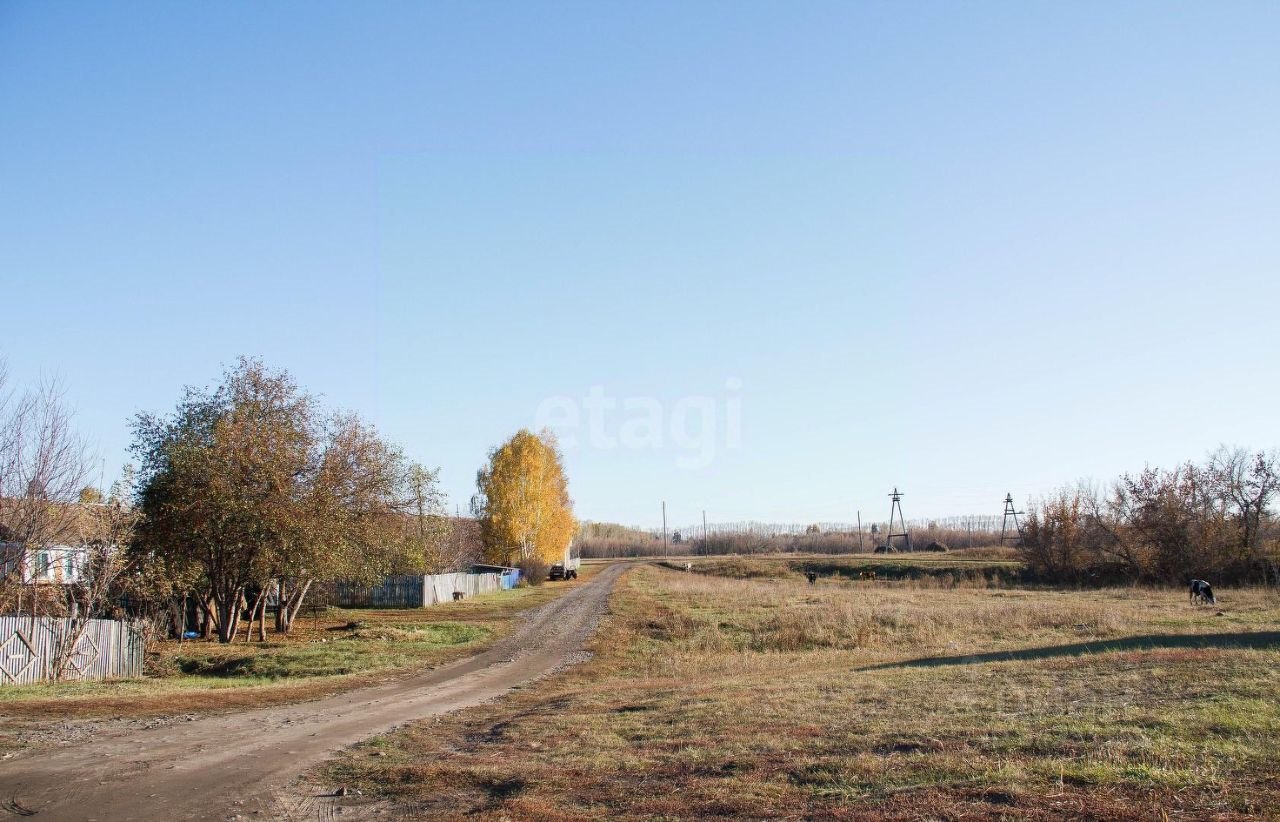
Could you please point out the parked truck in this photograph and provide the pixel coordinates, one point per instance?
(566, 568)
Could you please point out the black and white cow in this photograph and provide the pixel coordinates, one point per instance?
(1201, 592)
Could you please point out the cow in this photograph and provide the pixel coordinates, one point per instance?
(1201, 592)
(867, 575)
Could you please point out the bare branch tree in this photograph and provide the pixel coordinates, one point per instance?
(1248, 483)
(43, 467)
(104, 533)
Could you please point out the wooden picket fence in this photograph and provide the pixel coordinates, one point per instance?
(29, 647)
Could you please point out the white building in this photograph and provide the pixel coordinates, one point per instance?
(50, 565)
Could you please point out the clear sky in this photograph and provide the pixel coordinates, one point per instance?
(961, 248)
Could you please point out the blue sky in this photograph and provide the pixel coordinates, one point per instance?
(963, 249)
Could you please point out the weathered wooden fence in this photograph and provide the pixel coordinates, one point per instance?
(29, 649)
(392, 592)
(420, 591)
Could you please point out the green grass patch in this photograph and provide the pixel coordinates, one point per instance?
(364, 649)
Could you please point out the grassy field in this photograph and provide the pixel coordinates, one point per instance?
(741, 691)
(336, 650)
(992, 565)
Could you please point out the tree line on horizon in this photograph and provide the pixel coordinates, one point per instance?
(1215, 519)
(604, 540)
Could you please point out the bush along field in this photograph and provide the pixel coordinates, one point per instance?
(740, 690)
(992, 566)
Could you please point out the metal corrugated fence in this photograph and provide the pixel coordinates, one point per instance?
(29, 649)
(419, 591)
(440, 587)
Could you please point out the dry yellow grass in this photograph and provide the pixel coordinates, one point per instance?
(767, 697)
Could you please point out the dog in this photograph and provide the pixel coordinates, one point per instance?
(1201, 592)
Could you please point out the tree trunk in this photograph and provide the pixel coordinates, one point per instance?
(290, 607)
(262, 615)
(255, 612)
(229, 605)
(66, 645)
(208, 619)
(280, 600)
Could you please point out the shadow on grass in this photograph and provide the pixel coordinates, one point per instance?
(1259, 639)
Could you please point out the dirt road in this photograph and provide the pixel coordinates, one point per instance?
(239, 765)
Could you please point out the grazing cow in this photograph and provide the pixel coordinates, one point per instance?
(867, 575)
(1201, 592)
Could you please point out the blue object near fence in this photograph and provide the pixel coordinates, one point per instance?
(510, 579)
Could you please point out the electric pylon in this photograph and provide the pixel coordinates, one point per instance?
(896, 508)
(1010, 512)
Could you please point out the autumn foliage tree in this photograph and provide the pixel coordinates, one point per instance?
(1215, 519)
(250, 488)
(428, 531)
(523, 503)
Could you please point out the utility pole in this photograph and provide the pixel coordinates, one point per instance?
(664, 526)
(861, 549)
(896, 506)
(1010, 511)
(705, 550)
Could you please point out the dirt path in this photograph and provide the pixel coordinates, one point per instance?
(239, 765)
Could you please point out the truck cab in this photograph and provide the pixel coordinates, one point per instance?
(567, 568)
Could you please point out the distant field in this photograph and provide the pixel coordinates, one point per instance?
(741, 690)
(958, 567)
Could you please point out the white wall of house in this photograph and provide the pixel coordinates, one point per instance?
(52, 565)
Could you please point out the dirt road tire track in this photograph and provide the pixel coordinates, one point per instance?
(240, 764)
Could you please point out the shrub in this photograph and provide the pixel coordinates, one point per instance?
(534, 570)
(1209, 521)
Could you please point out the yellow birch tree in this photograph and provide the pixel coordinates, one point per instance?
(523, 501)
